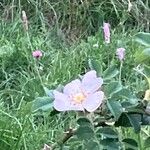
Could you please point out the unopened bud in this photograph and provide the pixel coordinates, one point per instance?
(147, 95)
(25, 20)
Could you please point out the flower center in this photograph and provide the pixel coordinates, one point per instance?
(79, 98)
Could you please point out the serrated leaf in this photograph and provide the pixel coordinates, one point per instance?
(110, 73)
(135, 121)
(84, 133)
(112, 88)
(130, 143)
(95, 65)
(115, 108)
(147, 142)
(42, 103)
(124, 93)
(110, 144)
(84, 121)
(143, 38)
(107, 132)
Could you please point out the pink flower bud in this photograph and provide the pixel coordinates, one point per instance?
(25, 20)
(37, 54)
(120, 53)
(106, 29)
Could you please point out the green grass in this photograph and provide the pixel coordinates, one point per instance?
(21, 83)
(22, 77)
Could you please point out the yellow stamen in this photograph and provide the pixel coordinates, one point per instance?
(79, 98)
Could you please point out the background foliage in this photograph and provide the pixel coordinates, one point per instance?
(65, 31)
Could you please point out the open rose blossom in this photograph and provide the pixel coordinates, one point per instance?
(106, 29)
(80, 95)
(37, 54)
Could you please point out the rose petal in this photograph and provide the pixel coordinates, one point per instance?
(93, 101)
(90, 82)
(63, 103)
(77, 107)
(73, 87)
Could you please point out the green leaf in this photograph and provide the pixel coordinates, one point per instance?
(107, 132)
(143, 38)
(146, 120)
(92, 145)
(147, 142)
(48, 92)
(130, 143)
(140, 57)
(146, 71)
(84, 133)
(42, 103)
(146, 52)
(60, 88)
(135, 120)
(110, 73)
(130, 120)
(115, 108)
(112, 88)
(124, 93)
(84, 121)
(110, 144)
(123, 121)
(95, 65)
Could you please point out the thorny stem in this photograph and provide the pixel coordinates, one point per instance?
(66, 137)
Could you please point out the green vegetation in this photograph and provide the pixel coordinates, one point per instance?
(65, 32)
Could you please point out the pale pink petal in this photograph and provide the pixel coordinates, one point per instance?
(77, 107)
(90, 82)
(63, 103)
(37, 54)
(93, 101)
(73, 87)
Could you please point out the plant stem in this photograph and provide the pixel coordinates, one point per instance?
(120, 71)
(139, 141)
(66, 137)
(35, 61)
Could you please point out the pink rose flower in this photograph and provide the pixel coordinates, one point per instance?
(80, 95)
(106, 29)
(37, 54)
(120, 53)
